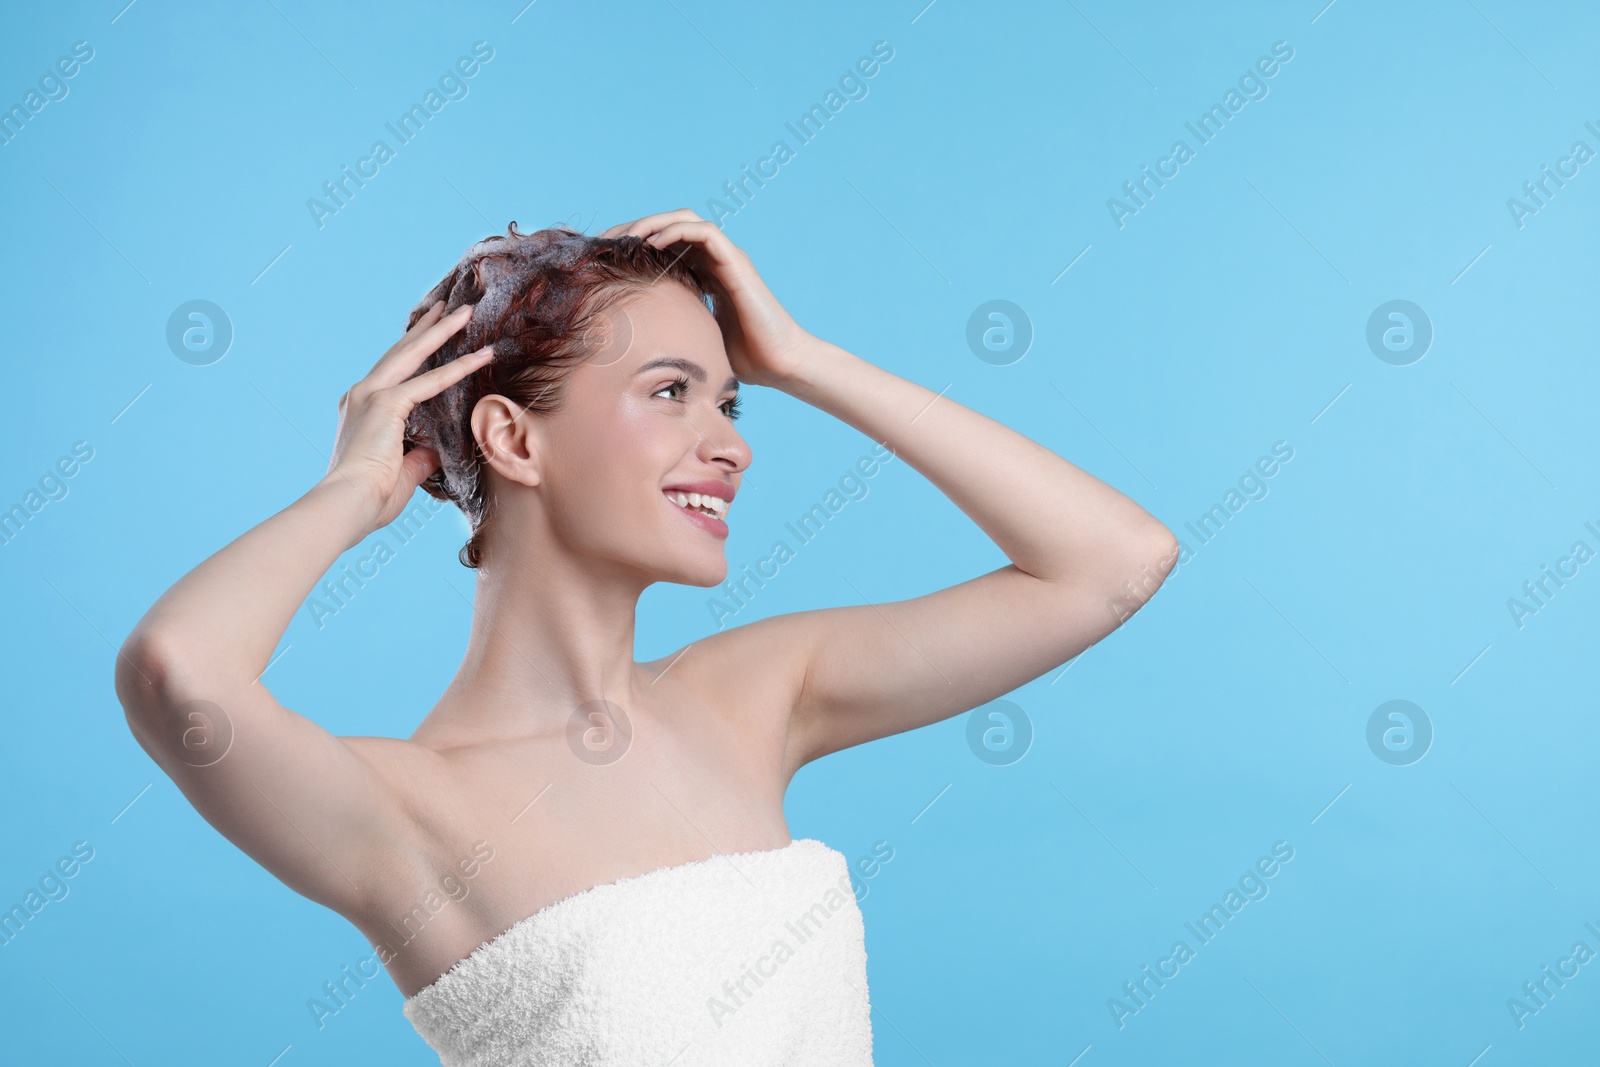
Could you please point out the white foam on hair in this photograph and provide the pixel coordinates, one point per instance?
(502, 264)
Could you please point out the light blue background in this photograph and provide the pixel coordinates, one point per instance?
(1228, 314)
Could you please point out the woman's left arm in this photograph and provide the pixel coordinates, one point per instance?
(1057, 523)
(1083, 555)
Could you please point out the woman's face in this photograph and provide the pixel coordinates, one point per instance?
(649, 411)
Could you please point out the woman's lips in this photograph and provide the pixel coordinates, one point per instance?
(700, 518)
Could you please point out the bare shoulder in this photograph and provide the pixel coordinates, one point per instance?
(751, 675)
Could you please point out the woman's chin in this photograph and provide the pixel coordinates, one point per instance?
(710, 576)
(707, 571)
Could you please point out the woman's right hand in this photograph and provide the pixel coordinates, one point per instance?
(369, 449)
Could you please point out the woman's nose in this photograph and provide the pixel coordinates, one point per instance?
(720, 439)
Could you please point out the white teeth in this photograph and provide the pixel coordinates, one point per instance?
(710, 505)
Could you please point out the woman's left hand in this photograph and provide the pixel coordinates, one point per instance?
(765, 345)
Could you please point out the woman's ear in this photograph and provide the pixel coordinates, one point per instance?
(509, 438)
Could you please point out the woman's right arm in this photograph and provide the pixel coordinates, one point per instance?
(226, 616)
(305, 804)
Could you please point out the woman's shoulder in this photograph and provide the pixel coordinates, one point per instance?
(749, 675)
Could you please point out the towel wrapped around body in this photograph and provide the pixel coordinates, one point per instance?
(748, 959)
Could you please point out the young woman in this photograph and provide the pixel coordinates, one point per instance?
(618, 881)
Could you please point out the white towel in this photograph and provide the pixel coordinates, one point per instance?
(747, 959)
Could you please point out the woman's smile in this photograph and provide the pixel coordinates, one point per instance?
(704, 509)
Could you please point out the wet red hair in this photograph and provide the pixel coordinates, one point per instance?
(539, 299)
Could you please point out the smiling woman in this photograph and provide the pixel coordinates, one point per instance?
(547, 302)
(576, 398)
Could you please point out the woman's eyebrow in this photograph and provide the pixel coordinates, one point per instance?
(692, 369)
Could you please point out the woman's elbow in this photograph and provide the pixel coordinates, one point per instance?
(144, 672)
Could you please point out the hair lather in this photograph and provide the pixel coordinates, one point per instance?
(540, 299)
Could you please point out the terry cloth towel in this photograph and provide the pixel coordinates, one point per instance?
(746, 958)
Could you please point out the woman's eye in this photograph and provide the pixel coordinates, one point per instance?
(729, 407)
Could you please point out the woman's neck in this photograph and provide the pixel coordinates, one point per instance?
(544, 641)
